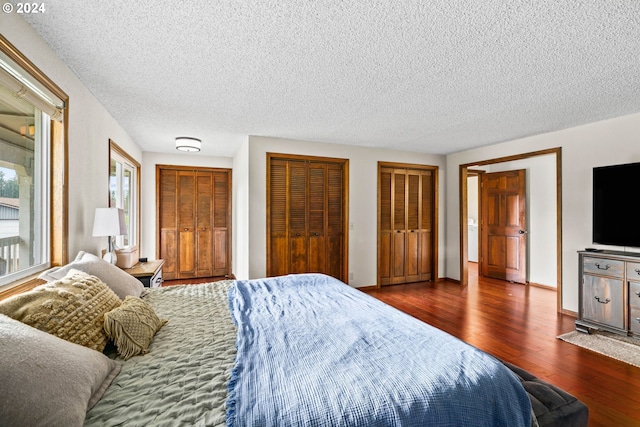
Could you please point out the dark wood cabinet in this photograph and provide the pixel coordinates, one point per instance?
(405, 224)
(194, 220)
(306, 218)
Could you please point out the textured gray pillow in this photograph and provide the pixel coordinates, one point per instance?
(47, 381)
(120, 282)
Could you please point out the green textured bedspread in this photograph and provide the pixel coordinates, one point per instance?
(183, 379)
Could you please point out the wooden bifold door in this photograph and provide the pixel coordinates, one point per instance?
(405, 224)
(306, 215)
(194, 221)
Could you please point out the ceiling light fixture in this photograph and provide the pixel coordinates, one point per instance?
(184, 143)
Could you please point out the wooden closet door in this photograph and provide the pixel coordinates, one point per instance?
(186, 224)
(168, 222)
(317, 218)
(298, 230)
(221, 262)
(203, 224)
(426, 224)
(306, 216)
(194, 216)
(405, 210)
(278, 218)
(335, 214)
(385, 225)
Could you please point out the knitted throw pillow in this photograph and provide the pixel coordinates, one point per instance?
(132, 326)
(71, 308)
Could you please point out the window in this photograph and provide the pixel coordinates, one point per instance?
(32, 168)
(124, 173)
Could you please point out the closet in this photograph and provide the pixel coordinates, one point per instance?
(306, 215)
(406, 218)
(194, 221)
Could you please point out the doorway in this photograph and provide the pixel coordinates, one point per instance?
(545, 244)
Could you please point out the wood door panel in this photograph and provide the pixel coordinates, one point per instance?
(220, 250)
(425, 255)
(298, 254)
(413, 256)
(384, 258)
(317, 254)
(168, 252)
(204, 249)
(399, 257)
(503, 235)
(335, 256)
(186, 257)
(279, 255)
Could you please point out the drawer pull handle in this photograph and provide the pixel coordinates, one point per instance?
(638, 319)
(606, 301)
(637, 293)
(606, 267)
(638, 271)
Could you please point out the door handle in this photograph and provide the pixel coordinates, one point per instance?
(522, 232)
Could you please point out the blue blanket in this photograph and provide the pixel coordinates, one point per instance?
(312, 351)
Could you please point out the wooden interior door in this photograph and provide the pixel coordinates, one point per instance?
(504, 226)
(405, 235)
(194, 221)
(306, 215)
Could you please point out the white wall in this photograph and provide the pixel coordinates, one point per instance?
(148, 189)
(363, 191)
(89, 129)
(607, 142)
(241, 241)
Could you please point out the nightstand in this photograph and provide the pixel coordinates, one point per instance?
(149, 273)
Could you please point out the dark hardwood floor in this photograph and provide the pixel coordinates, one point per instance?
(519, 324)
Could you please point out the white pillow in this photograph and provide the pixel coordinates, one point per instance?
(45, 380)
(120, 282)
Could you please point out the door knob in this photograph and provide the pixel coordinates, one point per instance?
(522, 232)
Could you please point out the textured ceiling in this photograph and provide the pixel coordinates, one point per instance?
(435, 76)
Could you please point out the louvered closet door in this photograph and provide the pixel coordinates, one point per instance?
(186, 224)
(168, 222)
(221, 224)
(306, 216)
(194, 222)
(335, 214)
(317, 251)
(203, 228)
(405, 218)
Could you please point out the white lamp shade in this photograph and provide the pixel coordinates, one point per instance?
(109, 222)
(184, 143)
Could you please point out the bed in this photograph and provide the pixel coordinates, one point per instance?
(299, 350)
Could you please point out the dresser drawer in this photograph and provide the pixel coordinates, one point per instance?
(605, 267)
(634, 295)
(634, 320)
(602, 301)
(633, 271)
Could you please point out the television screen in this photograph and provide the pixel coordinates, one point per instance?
(616, 190)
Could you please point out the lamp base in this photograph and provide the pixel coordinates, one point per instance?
(110, 257)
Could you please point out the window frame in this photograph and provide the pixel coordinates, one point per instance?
(58, 221)
(135, 200)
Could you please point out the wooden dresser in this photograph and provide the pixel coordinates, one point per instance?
(609, 292)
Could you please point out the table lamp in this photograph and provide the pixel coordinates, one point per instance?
(109, 222)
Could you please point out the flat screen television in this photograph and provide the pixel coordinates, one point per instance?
(616, 190)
